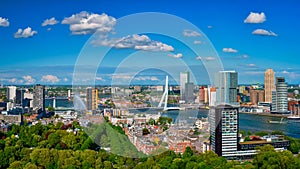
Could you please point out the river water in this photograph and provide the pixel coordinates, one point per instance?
(247, 122)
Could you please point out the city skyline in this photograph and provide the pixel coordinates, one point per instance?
(41, 46)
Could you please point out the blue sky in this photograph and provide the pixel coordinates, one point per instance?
(47, 54)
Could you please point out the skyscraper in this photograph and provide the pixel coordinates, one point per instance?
(257, 96)
(189, 93)
(11, 93)
(224, 130)
(184, 79)
(269, 85)
(212, 96)
(280, 96)
(226, 87)
(20, 96)
(39, 98)
(91, 99)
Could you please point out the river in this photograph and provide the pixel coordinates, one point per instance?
(247, 122)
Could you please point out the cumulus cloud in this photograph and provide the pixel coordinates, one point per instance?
(51, 21)
(50, 78)
(190, 33)
(137, 42)
(4, 22)
(206, 58)
(229, 50)
(178, 55)
(28, 79)
(263, 32)
(13, 80)
(65, 79)
(255, 18)
(197, 42)
(87, 23)
(26, 33)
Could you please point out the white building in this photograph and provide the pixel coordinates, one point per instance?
(11, 93)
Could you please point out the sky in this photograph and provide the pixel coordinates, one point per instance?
(42, 41)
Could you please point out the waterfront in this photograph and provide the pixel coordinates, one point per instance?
(247, 122)
(253, 122)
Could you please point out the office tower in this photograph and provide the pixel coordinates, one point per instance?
(20, 96)
(212, 96)
(39, 98)
(91, 98)
(226, 87)
(189, 93)
(280, 96)
(269, 85)
(201, 95)
(257, 96)
(224, 130)
(206, 95)
(184, 79)
(11, 93)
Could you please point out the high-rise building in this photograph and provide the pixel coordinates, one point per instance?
(226, 87)
(201, 95)
(11, 93)
(39, 98)
(20, 96)
(269, 85)
(224, 130)
(280, 96)
(212, 96)
(184, 79)
(257, 96)
(91, 98)
(189, 93)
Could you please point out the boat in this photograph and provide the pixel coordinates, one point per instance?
(293, 117)
(278, 122)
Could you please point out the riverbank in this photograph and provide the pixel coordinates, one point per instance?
(266, 114)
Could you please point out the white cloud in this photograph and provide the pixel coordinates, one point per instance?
(51, 21)
(209, 27)
(28, 79)
(197, 42)
(99, 79)
(50, 78)
(87, 23)
(206, 58)
(138, 42)
(65, 79)
(4, 22)
(230, 50)
(251, 65)
(263, 32)
(178, 55)
(146, 78)
(26, 33)
(122, 76)
(190, 33)
(255, 18)
(13, 80)
(48, 29)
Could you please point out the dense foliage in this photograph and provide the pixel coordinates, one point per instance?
(53, 146)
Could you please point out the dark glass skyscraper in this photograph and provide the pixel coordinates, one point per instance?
(39, 98)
